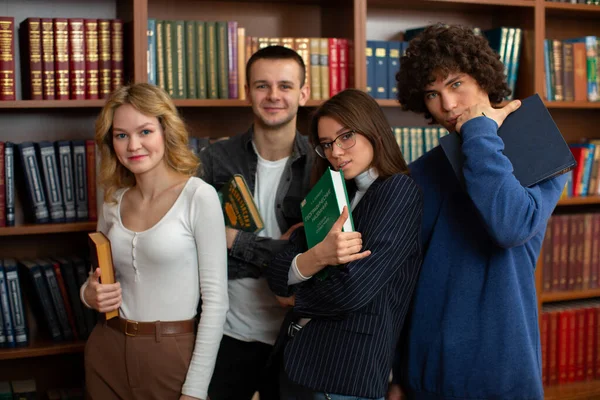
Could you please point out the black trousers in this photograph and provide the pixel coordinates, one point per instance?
(242, 369)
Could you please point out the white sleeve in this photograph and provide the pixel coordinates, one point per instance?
(295, 276)
(209, 232)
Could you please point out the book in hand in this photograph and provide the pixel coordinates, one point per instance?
(101, 257)
(532, 143)
(323, 206)
(238, 205)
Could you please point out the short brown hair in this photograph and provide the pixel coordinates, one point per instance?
(444, 49)
(276, 53)
(152, 101)
(357, 110)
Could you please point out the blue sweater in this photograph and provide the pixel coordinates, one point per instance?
(472, 332)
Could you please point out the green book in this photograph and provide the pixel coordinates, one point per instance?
(239, 209)
(323, 206)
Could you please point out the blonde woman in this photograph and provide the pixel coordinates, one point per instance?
(168, 245)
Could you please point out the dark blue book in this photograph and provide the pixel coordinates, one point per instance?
(532, 143)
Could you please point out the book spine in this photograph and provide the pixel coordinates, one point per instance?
(370, 54)
(77, 58)
(558, 70)
(81, 274)
(44, 297)
(2, 187)
(68, 274)
(7, 328)
(31, 59)
(15, 298)
(51, 180)
(80, 174)
(191, 59)
(48, 73)
(343, 52)
(552, 353)
(65, 165)
(302, 47)
(241, 62)
(544, 346)
(568, 77)
(201, 49)
(381, 73)
(393, 67)
(169, 59)
(590, 343)
(90, 28)
(104, 58)
(57, 300)
(547, 257)
(179, 48)
(116, 59)
(334, 66)
(7, 58)
(160, 55)
(211, 60)
(151, 51)
(34, 182)
(9, 182)
(580, 71)
(315, 73)
(222, 60)
(580, 334)
(90, 153)
(232, 55)
(60, 283)
(591, 48)
(61, 58)
(3, 340)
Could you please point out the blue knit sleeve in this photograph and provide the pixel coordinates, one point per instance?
(511, 213)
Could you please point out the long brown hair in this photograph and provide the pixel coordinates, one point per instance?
(152, 101)
(357, 110)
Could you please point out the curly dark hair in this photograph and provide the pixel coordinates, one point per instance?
(444, 49)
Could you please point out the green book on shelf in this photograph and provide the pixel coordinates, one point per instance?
(239, 209)
(323, 206)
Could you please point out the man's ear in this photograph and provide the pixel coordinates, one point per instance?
(304, 94)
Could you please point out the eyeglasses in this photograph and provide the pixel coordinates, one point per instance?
(344, 141)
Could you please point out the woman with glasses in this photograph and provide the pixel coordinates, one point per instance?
(339, 338)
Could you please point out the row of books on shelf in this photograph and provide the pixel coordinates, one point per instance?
(207, 59)
(26, 389)
(62, 58)
(56, 181)
(570, 342)
(571, 253)
(584, 179)
(52, 290)
(414, 141)
(572, 69)
(593, 2)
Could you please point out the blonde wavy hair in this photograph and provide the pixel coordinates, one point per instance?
(152, 101)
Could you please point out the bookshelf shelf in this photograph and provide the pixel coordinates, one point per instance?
(586, 8)
(572, 104)
(388, 102)
(227, 103)
(42, 348)
(37, 229)
(52, 104)
(572, 391)
(570, 295)
(455, 5)
(577, 201)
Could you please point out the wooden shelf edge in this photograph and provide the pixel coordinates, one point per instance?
(52, 104)
(42, 349)
(227, 103)
(573, 7)
(36, 229)
(509, 3)
(572, 391)
(569, 295)
(577, 201)
(572, 104)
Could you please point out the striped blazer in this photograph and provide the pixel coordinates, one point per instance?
(358, 310)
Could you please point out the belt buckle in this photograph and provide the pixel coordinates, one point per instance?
(129, 323)
(293, 329)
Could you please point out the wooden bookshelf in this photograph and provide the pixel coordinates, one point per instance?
(588, 390)
(25, 104)
(227, 103)
(42, 348)
(551, 297)
(579, 201)
(37, 229)
(572, 104)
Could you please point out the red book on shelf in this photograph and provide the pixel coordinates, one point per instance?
(76, 59)
(30, 33)
(552, 353)
(563, 346)
(556, 229)
(590, 343)
(587, 251)
(343, 53)
(116, 58)
(48, 73)
(61, 58)
(90, 160)
(579, 344)
(334, 66)
(595, 257)
(7, 58)
(544, 332)
(571, 345)
(90, 28)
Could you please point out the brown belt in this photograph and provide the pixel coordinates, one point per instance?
(164, 328)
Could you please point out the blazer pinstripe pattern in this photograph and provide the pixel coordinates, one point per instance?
(358, 310)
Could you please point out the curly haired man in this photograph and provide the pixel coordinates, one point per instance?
(472, 331)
